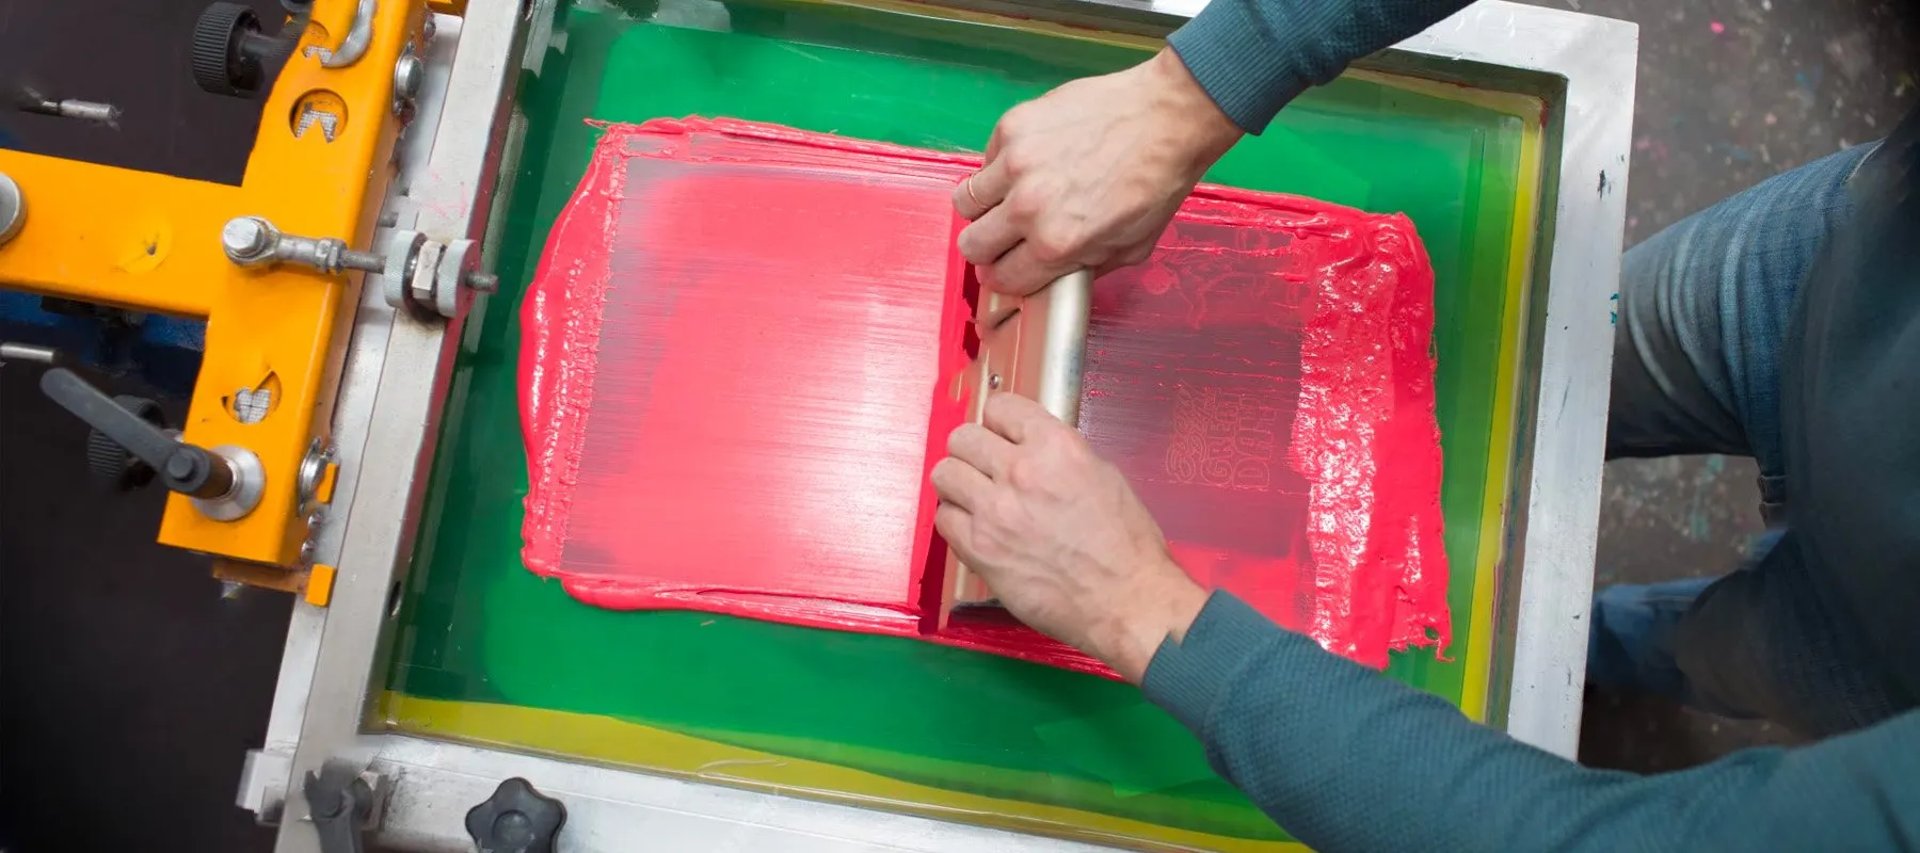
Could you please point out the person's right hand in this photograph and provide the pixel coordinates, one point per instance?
(1088, 175)
(1060, 537)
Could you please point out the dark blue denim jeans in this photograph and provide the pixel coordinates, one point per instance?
(1705, 307)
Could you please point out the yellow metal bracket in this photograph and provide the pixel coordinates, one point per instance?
(275, 335)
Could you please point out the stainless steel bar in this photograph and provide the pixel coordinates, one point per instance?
(266, 773)
(610, 810)
(1061, 355)
(1596, 57)
(454, 194)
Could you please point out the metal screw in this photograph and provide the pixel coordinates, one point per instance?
(483, 282)
(423, 273)
(306, 483)
(247, 238)
(362, 261)
(427, 28)
(993, 380)
(93, 111)
(13, 209)
(407, 73)
(251, 242)
(15, 351)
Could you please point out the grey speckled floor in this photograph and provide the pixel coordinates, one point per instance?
(1730, 93)
(129, 689)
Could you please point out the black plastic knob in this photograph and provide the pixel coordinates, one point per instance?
(516, 819)
(110, 460)
(182, 467)
(220, 65)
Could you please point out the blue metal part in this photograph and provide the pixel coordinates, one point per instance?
(164, 351)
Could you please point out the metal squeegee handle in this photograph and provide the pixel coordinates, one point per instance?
(1061, 309)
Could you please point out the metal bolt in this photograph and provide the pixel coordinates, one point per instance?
(402, 248)
(13, 209)
(483, 282)
(251, 242)
(408, 71)
(993, 380)
(14, 351)
(307, 550)
(420, 280)
(306, 483)
(362, 261)
(93, 111)
(247, 239)
(427, 28)
(180, 466)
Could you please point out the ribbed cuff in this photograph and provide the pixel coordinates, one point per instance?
(1187, 678)
(1228, 50)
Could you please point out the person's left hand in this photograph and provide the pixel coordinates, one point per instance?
(1088, 175)
(1060, 537)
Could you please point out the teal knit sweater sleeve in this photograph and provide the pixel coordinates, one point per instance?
(1253, 56)
(1346, 759)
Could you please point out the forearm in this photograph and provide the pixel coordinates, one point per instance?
(1253, 56)
(1347, 760)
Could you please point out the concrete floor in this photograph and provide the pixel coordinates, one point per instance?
(129, 687)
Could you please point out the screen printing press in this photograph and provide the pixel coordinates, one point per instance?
(353, 436)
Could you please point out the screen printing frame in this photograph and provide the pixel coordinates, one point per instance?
(399, 366)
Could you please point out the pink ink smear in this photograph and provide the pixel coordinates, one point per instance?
(736, 356)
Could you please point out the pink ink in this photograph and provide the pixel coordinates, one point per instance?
(736, 367)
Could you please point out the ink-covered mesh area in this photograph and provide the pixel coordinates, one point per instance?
(735, 361)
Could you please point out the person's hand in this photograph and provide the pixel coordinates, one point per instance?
(1088, 175)
(1059, 537)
